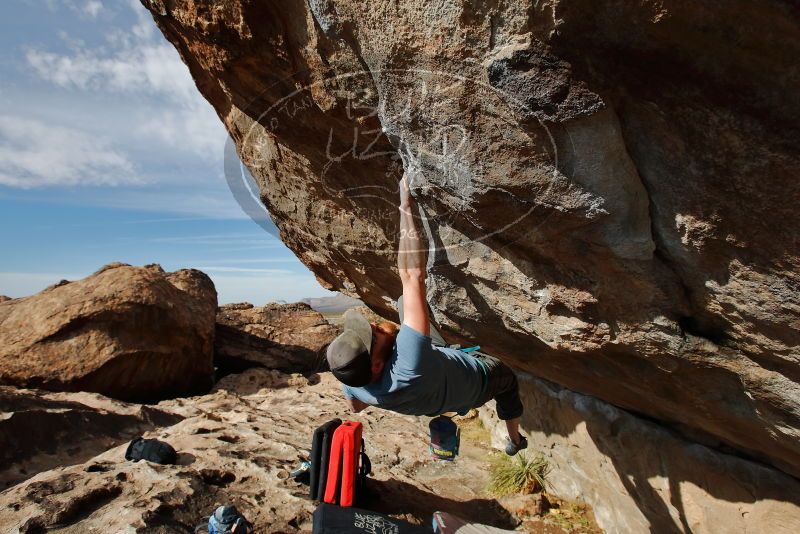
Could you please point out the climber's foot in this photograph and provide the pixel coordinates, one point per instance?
(513, 448)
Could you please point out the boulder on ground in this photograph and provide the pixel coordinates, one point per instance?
(286, 337)
(4, 298)
(132, 333)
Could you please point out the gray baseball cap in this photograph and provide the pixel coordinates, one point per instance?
(349, 354)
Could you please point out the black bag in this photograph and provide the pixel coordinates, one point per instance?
(320, 453)
(332, 519)
(151, 450)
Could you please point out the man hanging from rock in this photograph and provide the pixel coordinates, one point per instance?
(412, 371)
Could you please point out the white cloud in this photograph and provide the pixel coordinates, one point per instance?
(242, 270)
(262, 240)
(150, 68)
(239, 261)
(36, 154)
(92, 8)
(198, 131)
(139, 62)
(212, 204)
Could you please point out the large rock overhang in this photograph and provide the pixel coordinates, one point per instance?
(610, 189)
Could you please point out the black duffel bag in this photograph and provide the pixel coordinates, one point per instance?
(332, 519)
(151, 450)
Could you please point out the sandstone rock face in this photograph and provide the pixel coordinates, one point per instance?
(639, 477)
(238, 445)
(288, 337)
(609, 189)
(126, 332)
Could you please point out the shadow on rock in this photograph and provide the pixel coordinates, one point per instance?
(397, 497)
(42, 430)
(662, 480)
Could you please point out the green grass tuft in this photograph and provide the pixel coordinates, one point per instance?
(518, 474)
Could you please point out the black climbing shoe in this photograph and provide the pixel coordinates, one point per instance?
(513, 448)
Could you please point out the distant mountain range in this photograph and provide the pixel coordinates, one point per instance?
(337, 304)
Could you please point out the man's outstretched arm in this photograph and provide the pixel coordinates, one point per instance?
(411, 263)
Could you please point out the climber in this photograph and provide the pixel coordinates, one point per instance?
(412, 371)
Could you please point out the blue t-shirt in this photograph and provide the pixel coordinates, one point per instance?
(421, 379)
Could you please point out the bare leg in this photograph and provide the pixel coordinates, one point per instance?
(513, 430)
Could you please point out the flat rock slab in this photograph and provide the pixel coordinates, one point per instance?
(239, 448)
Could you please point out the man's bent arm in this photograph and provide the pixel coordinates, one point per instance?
(411, 264)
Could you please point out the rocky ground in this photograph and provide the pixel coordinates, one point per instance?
(237, 445)
(62, 449)
(138, 331)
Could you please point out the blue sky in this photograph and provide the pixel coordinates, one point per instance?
(109, 153)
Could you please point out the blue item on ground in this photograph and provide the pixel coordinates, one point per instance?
(445, 438)
(228, 520)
